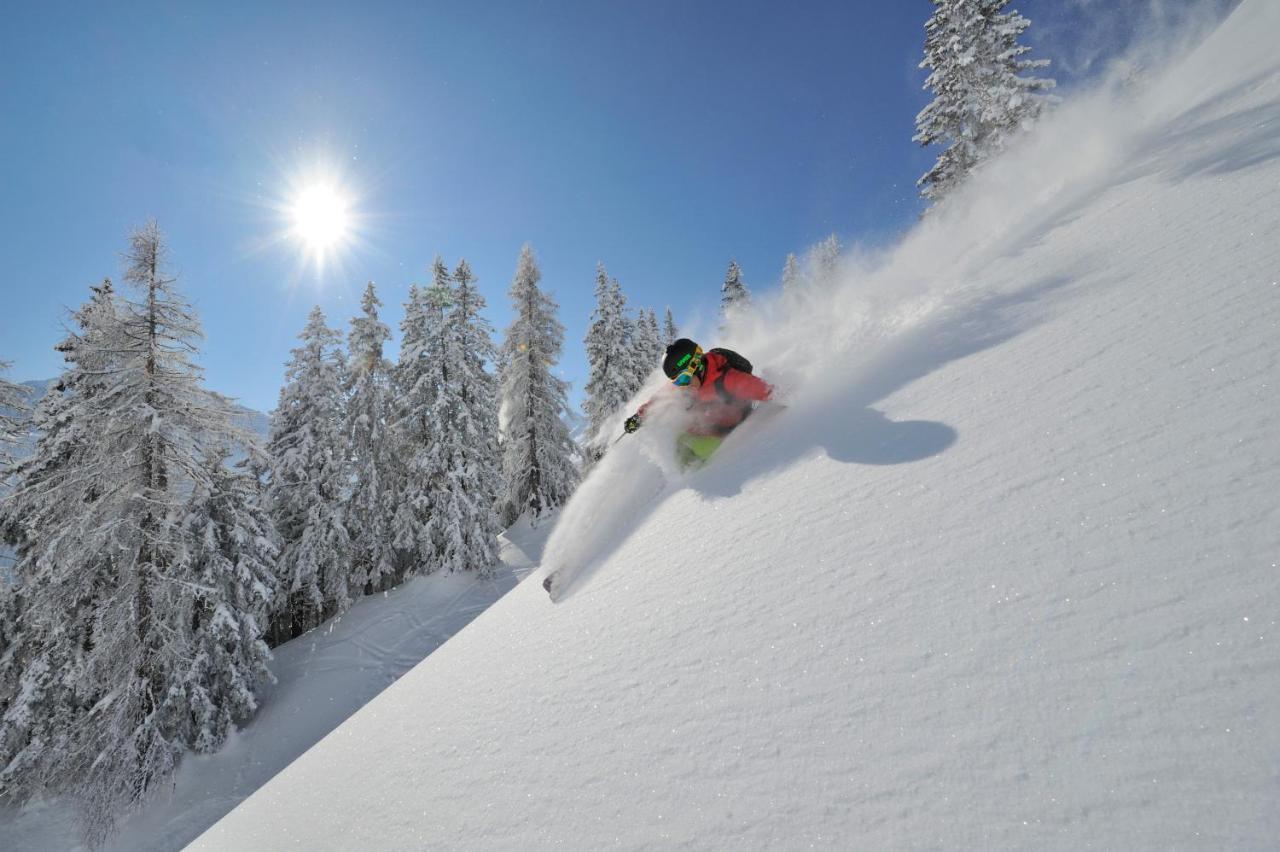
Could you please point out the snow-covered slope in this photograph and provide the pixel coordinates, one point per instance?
(1003, 574)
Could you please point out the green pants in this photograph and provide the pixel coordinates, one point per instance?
(694, 450)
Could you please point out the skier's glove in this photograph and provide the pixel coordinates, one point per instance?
(632, 424)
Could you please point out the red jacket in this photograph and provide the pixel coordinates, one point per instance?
(722, 401)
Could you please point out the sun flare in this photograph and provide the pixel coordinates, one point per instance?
(321, 218)
(319, 215)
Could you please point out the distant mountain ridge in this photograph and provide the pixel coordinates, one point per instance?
(39, 387)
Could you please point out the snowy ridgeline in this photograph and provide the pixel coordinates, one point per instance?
(1004, 578)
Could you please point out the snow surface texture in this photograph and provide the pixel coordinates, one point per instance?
(1006, 577)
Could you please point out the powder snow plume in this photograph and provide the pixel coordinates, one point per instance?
(893, 315)
(951, 259)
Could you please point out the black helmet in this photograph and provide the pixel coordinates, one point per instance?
(678, 356)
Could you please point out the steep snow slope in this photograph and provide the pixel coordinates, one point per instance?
(1005, 577)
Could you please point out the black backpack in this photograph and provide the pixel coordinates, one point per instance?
(734, 360)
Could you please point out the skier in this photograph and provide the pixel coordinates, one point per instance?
(720, 392)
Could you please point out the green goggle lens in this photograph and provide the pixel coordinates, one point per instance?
(689, 365)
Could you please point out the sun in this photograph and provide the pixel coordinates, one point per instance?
(321, 219)
(319, 213)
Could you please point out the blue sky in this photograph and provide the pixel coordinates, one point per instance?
(662, 138)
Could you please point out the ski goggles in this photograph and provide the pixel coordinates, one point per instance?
(688, 366)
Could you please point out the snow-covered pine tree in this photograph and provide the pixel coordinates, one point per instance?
(63, 473)
(14, 412)
(609, 363)
(231, 562)
(13, 416)
(414, 380)
(422, 379)
(57, 420)
(670, 331)
(824, 261)
(537, 466)
(107, 625)
(734, 296)
(37, 675)
(309, 484)
(468, 414)
(657, 345)
(646, 350)
(791, 281)
(370, 446)
(160, 424)
(631, 340)
(444, 464)
(981, 98)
